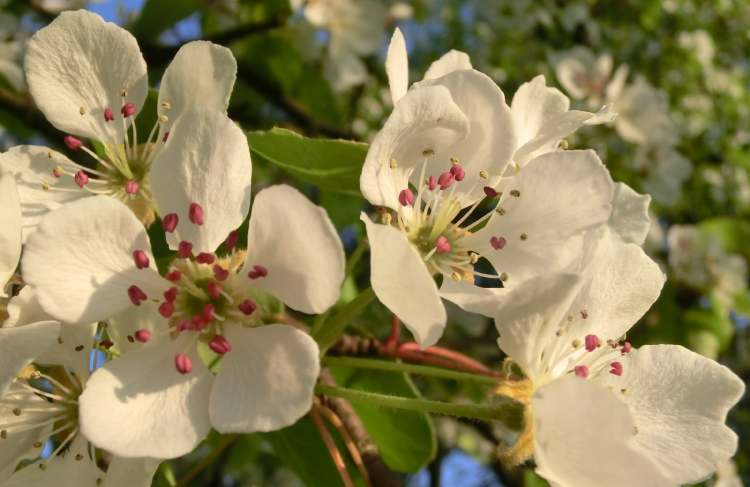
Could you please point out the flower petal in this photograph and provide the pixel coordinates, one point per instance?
(80, 61)
(19, 446)
(24, 309)
(201, 74)
(19, 346)
(630, 218)
(10, 231)
(126, 323)
(298, 245)
(397, 66)
(131, 472)
(491, 138)
(584, 437)
(80, 260)
(424, 120)
(205, 161)
(449, 62)
(680, 401)
(559, 195)
(266, 382)
(472, 298)
(551, 133)
(32, 166)
(403, 284)
(65, 470)
(141, 406)
(534, 103)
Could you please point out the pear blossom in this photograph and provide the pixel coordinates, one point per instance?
(643, 114)
(599, 411)
(89, 79)
(161, 397)
(588, 77)
(10, 230)
(356, 29)
(440, 155)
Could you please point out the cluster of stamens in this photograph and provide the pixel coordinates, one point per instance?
(207, 292)
(432, 220)
(122, 170)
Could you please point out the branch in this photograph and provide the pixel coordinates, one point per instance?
(333, 450)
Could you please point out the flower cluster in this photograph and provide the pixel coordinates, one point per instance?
(119, 358)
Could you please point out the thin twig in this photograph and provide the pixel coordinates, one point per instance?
(348, 441)
(333, 450)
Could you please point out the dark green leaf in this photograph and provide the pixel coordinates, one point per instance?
(160, 15)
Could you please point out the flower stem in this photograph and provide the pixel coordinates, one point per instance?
(374, 364)
(329, 331)
(508, 412)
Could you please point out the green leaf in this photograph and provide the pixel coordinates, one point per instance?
(333, 165)
(406, 439)
(733, 233)
(301, 448)
(531, 479)
(160, 15)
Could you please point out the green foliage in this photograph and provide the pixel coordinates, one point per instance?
(158, 16)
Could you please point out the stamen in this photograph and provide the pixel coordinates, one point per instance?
(109, 115)
(490, 192)
(615, 368)
(220, 273)
(195, 213)
(166, 309)
(166, 136)
(458, 172)
(173, 276)
(247, 307)
(136, 295)
(142, 335)
(132, 187)
(257, 272)
(581, 371)
(205, 258)
(498, 243)
(431, 183)
(128, 109)
(626, 348)
(72, 143)
(169, 222)
(592, 342)
(57, 171)
(171, 294)
(81, 179)
(141, 259)
(406, 197)
(445, 180)
(183, 363)
(185, 249)
(442, 245)
(220, 345)
(214, 289)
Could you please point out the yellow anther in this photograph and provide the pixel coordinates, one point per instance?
(82, 111)
(483, 174)
(394, 164)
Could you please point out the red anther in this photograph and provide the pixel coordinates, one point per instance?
(72, 143)
(132, 187)
(581, 371)
(208, 312)
(166, 309)
(231, 241)
(458, 172)
(183, 325)
(220, 345)
(141, 259)
(442, 245)
(214, 289)
(431, 183)
(205, 258)
(127, 109)
(142, 335)
(106, 344)
(56, 172)
(166, 136)
(169, 222)
(247, 307)
(615, 368)
(174, 275)
(220, 273)
(197, 322)
(170, 294)
(109, 115)
(406, 197)
(591, 341)
(258, 271)
(445, 180)
(498, 242)
(136, 295)
(183, 363)
(490, 192)
(626, 348)
(185, 249)
(195, 213)
(81, 178)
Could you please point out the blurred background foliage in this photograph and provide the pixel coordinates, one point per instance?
(676, 70)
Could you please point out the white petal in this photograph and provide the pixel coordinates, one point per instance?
(491, 138)
(141, 406)
(449, 62)
(134, 318)
(397, 66)
(80, 260)
(205, 161)
(561, 194)
(552, 131)
(202, 74)
(534, 103)
(19, 446)
(62, 471)
(680, 401)
(32, 166)
(79, 60)
(583, 437)
(298, 245)
(10, 230)
(424, 120)
(630, 218)
(19, 346)
(72, 349)
(24, 309)
(266, 382)
(403, 284)
(573, 75)
(472, 298)
(529, 317)
(131, 472)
